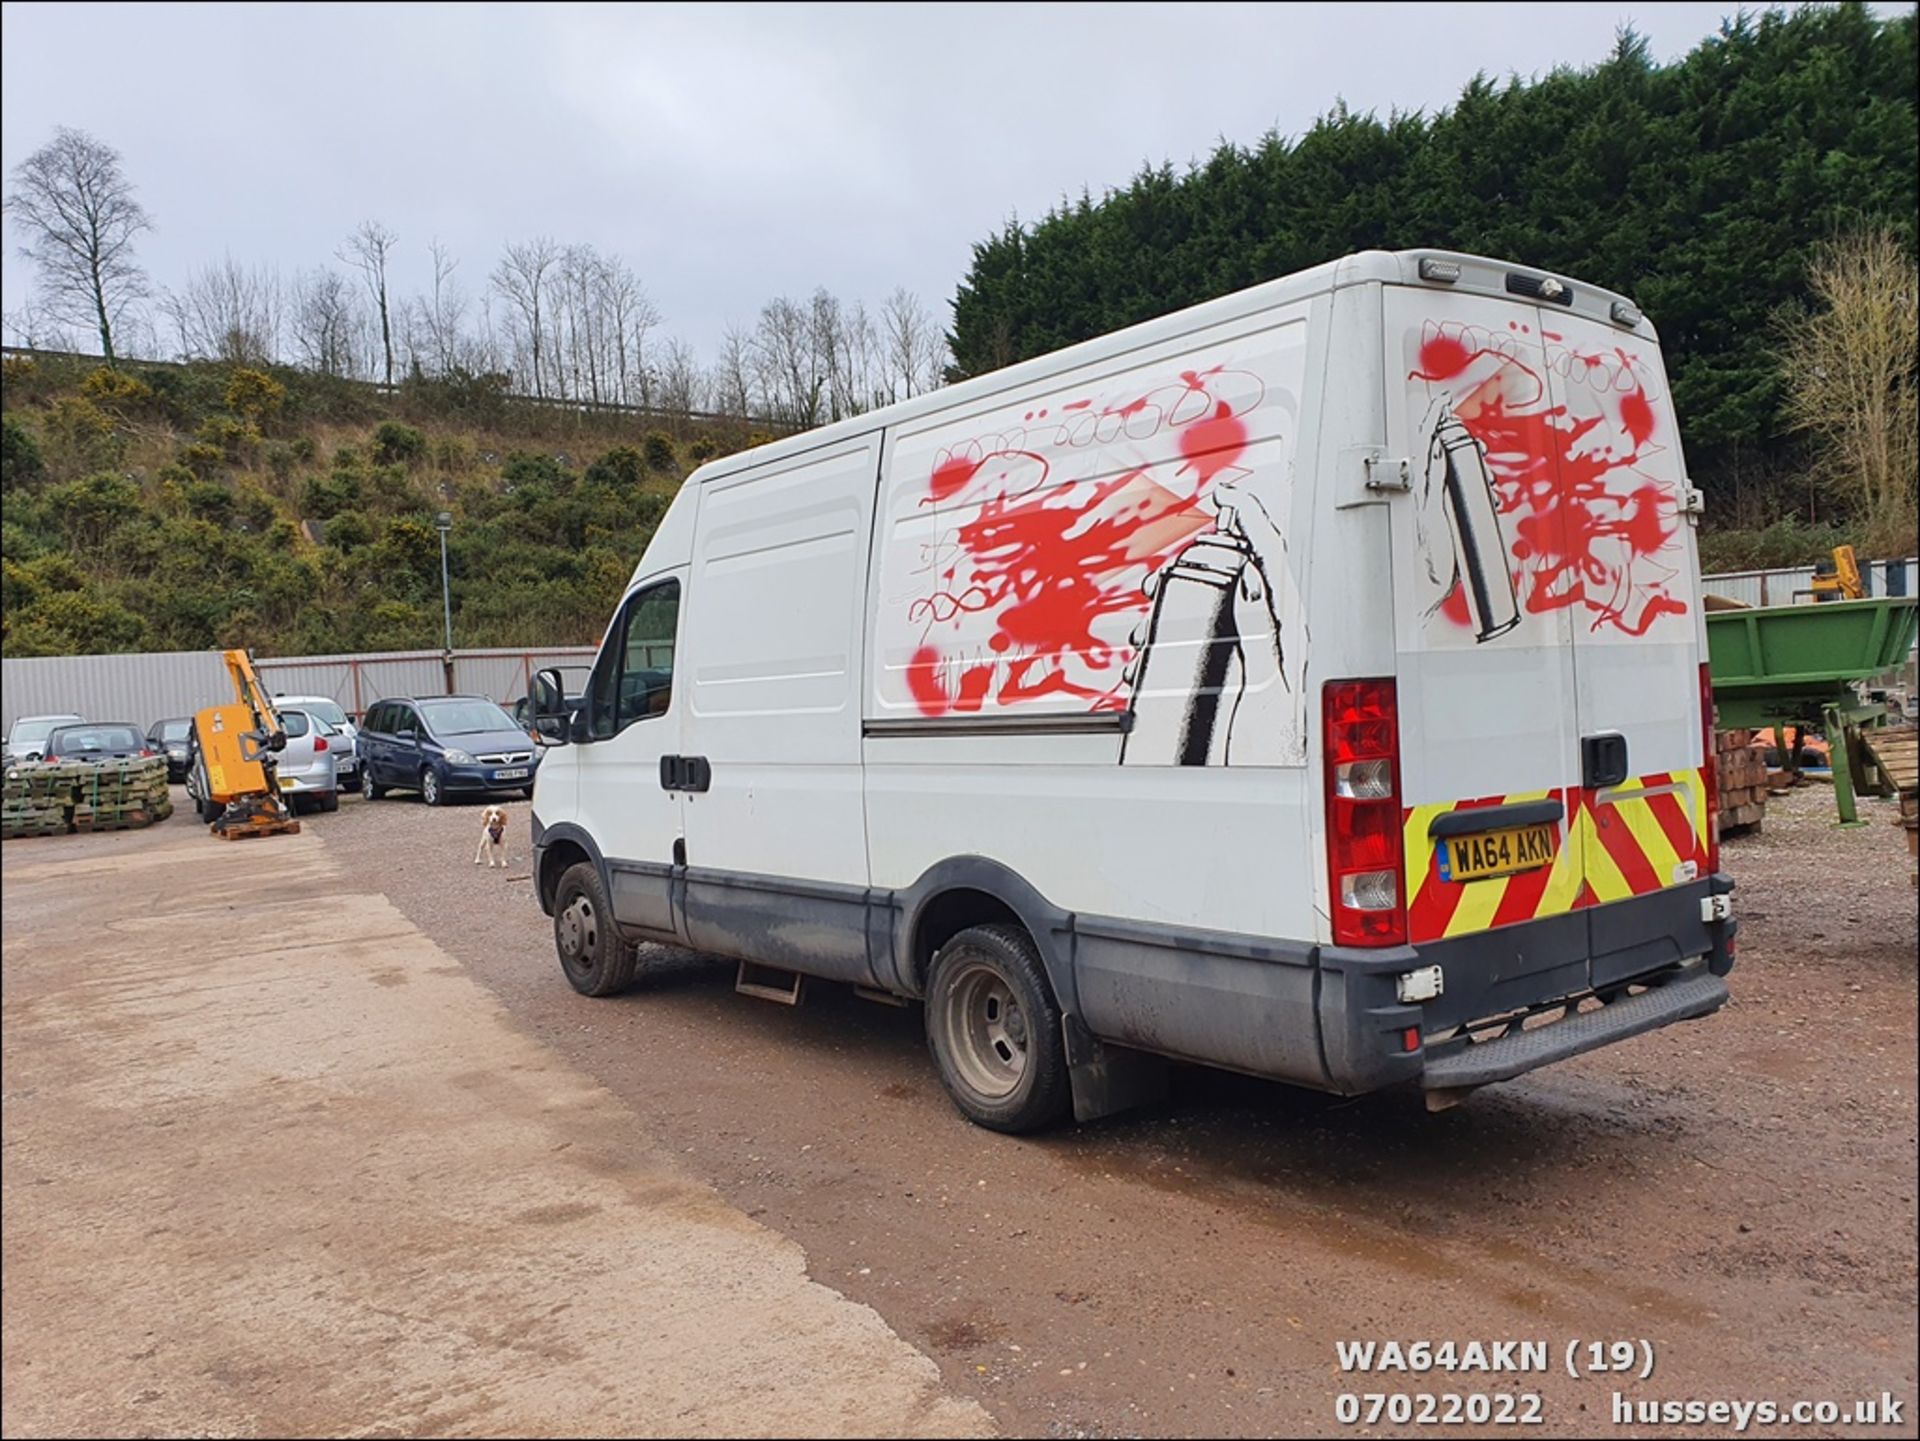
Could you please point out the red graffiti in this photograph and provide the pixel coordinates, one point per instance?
(1060, 567)
(1578, 540)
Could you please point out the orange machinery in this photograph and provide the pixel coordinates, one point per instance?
(237, 746)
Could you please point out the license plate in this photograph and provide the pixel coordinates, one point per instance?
(287, 783)
(519, 773)
(1497, 853)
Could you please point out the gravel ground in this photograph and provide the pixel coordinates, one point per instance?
(1740, 1191)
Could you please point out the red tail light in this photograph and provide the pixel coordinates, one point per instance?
(146, 753)
(1367, 891)
(319, 743)
(1709, 769)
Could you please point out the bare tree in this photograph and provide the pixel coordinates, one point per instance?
(227, 312)
(632, 317)
(368, 250)
(730, 390)
(911, 343)
(444, 311)
(522, 278)
(34, 327)
(1851, 372)
(681, 387)
(77, 212)
(324, 322)
(790, 365)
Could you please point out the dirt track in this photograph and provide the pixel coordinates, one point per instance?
(1741, 1192)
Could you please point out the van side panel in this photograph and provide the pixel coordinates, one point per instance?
(776, 846)
(1088, 664)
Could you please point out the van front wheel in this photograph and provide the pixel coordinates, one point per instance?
(596, 960)
(994, 1031)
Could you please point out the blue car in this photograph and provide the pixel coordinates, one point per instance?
(444, 746)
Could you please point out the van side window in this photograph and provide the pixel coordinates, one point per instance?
(634, 679)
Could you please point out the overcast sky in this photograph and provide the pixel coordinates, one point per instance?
(730, 153)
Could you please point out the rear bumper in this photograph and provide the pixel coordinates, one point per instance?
(1645, 941)
(1694, 992)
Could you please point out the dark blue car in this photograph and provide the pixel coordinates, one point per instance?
(443, 746)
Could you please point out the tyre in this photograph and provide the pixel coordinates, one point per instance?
(994, 1030)
(430, 786)
(527, 791)
(597, 962)
(371, 788)
(329, 801)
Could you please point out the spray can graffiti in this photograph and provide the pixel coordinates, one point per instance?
(1473, 516)
(1200, 653)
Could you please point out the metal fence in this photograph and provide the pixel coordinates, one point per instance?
(145, 688)
(1791, 586)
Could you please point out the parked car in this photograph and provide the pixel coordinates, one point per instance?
(1003, 700)
(173, 738)
(344, 735)
(26, 740)
(309, 775)
(442, 746)
(96, 741)
(305, 768)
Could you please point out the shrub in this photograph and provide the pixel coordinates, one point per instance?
(202, 459)
(347, 531)
(303, 449)
(702, 450)
(522, 470)
(657, 446)
(208, 500)
(281, 460)
(253, 509)
(323, 499)
(21, 465)
(254, 395)
(90, 510)
(397, 444)
(452, 455)
(116, 389)
(347, 457)
(236, 439)
(621, 467)
(81, 437)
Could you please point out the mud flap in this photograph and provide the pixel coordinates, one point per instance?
(1107, 1079)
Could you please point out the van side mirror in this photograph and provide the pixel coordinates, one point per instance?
(547, 707)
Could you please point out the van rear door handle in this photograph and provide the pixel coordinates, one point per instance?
(1603, 760)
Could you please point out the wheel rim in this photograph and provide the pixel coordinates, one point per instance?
(430, 788)
(986, 1031)
(579, 933)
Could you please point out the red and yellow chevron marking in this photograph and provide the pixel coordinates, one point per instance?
(1628, 840)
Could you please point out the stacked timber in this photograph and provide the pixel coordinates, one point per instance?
(1742, 766)
(53, 800)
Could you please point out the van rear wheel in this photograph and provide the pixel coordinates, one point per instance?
(994, 1030)
(596, 960)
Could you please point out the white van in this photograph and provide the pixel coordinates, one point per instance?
(1309, 683)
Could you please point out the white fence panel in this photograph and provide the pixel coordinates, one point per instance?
(140, 689)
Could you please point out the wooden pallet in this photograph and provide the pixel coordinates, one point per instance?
(1896, 753)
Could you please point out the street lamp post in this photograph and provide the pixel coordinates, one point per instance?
(443, 523)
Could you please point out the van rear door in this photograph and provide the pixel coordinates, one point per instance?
(1627, 578)
(1489, 730)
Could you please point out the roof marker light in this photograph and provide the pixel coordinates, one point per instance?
(1444, 271)
(1626, 313)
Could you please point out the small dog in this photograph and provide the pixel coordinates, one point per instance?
(493, 837)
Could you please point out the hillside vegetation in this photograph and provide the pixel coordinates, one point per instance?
(182, 507)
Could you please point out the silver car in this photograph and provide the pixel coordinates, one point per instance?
(308, 767)
(28, 738)
(343, 739)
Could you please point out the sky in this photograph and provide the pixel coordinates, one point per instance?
(730, 152)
